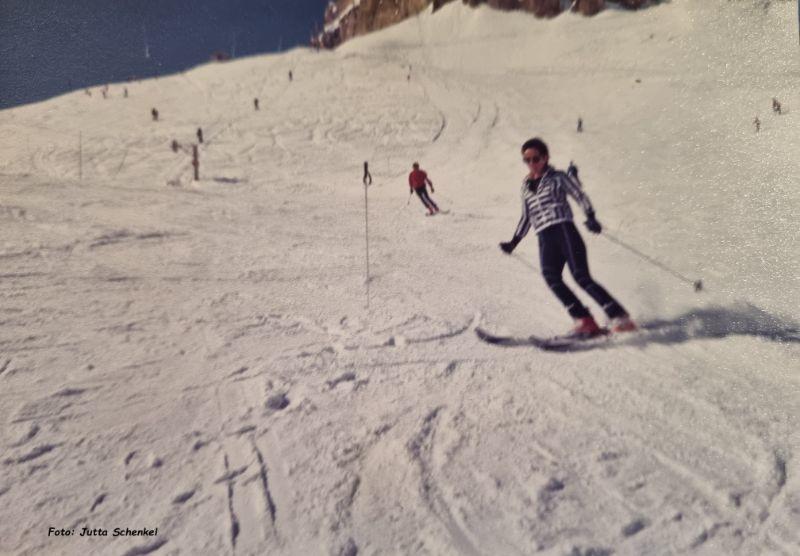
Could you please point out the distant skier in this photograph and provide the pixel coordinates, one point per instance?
(125, 92)
(255, 103)
(546, 210)
(776, 106)
(757, 123)
(417, 182)
(199, 134)
(580, 125)
(291, 77)
(154, 113)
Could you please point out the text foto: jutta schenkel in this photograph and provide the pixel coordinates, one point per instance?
(100, 532)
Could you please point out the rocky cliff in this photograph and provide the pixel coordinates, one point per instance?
(345, 19)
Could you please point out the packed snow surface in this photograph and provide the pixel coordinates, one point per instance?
(198, 357)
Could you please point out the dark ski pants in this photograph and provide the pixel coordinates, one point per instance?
(426, 200)
(561, 244)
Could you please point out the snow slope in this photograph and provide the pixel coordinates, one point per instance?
(198, 356)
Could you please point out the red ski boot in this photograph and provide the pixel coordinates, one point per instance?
(622, 323)
(586, 327)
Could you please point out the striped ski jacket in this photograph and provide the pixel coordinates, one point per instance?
(547, 204)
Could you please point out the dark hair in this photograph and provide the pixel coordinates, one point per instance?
(415, 165)
(537, 144)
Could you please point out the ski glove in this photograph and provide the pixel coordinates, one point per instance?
(572, 170)
(592, 224)
(508, 246)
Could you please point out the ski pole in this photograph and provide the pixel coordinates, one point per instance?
(367, 182)
(697, 284)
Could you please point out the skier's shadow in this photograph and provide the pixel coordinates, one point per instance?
(718, 322)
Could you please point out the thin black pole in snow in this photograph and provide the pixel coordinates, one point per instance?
(80, 156)
(367, 182)
(195, 163)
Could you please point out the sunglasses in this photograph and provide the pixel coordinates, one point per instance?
(532, 159)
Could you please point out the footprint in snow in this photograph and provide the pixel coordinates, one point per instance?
(97, 501)
(548, 495)
(143, 549)
(239, 371)
(199, 444)
(396, 341)
(349, 549)
(346, 377)
(609, 456)
(553, 485)
(590, 551)
(33, 431)
(183, 497)
(67, 392)
(244, 430)
(634, 527)
(36, 453)
(277, 402)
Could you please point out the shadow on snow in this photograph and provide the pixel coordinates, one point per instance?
(721, 322)
(708, 323)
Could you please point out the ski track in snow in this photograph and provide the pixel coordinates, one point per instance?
(197, 356)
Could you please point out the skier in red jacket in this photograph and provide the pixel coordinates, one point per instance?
(417, 180)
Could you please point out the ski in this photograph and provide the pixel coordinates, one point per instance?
(552, 343)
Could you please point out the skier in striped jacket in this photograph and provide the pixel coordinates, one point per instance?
(545, 209)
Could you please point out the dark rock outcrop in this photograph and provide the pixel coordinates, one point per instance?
(589, 7)
(345, 19)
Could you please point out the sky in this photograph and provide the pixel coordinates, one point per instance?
(50, 47)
